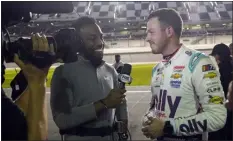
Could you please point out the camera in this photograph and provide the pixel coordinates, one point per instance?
(16, 12)
(23, 47)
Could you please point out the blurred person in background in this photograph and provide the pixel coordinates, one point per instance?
(184, 104)
(222, 54)
(85, 96)
(231, 48)
(118, 65)
(229, 102)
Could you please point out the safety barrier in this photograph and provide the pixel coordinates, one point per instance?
(141, 70)
(141, 74)
(138, 50)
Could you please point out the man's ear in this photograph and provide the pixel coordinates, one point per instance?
(169, 31)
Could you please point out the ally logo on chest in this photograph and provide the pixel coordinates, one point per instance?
(163, 100)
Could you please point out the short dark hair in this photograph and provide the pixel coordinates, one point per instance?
(170, 17)
(223, 51)
(82, 21)
(231, 46)
(117, 55)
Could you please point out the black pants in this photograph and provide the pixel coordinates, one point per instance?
(14, 124)
(180, 138)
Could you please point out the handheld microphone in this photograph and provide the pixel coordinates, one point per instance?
(124, 77)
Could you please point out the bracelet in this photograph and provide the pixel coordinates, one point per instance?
(101, 101)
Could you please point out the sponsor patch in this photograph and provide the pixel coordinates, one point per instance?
(214, 89)
(162, 80)
(159, 71)
(175, 83)
(176, 75)
(210, 75)
(154, 69)
(159, 80)
(167, 63)
(194, 126)
(178, 68)
(208, 67)
(189, 53)
(156, 86)
(215, 99)
(212, 83)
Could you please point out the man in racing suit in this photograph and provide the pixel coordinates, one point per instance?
(187, 96)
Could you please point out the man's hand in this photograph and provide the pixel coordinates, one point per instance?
(32, 73)
(114, 98)
(35, 97)
(146, 121)
(153, 128)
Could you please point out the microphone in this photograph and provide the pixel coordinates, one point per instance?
(124, 77)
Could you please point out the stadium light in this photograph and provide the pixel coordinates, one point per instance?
(125, 28)
(144, 27)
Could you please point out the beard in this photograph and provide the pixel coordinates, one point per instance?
(158, 48)
(95, 57)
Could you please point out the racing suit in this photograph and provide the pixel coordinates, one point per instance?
(186, 90)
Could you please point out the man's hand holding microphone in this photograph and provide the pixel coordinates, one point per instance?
(114, 98)
(117, 95)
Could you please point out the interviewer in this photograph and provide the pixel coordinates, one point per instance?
(84, 94)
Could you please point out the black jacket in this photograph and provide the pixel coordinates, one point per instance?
(225, 70)
(225, 133)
